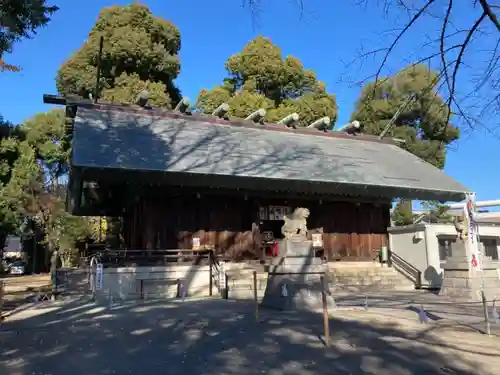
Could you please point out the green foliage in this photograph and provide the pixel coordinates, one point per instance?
(27, 154)
(259, 77)
(437, 212)
(140, 51)
(23, 171)
(20, 19)
(423, 125)
(402, 214)
(44, 132)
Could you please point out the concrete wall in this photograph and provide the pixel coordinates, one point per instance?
(418, 245)
(124, 283)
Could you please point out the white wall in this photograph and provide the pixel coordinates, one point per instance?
(418, 245)
(124, 283)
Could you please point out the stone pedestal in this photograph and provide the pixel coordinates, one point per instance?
(460, 280)
(294, 280)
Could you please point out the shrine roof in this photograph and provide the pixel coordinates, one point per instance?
(115, 137)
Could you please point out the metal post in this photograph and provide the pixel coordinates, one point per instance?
(486, 315)
(34, 252)
(2, 285)
(226, 290)
(483, 295)
(223, 281)
(472, 223)
(326, 323)
(92, 278)
(210, 275)
(110, 298)
(255, 296)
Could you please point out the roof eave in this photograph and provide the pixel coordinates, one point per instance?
(257, 183)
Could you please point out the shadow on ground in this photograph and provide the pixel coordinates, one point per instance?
(464, 313)
(216, 337)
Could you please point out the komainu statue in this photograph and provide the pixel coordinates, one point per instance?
(459, 227)
(295, 225)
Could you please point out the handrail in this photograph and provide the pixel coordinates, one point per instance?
(216, 276)
(120, 257)
(399, 262)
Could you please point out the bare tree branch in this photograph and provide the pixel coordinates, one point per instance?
(454, 50)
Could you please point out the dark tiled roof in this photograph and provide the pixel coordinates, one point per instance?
(110, 137)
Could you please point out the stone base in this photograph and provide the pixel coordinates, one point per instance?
(299, 272)
(459, 281)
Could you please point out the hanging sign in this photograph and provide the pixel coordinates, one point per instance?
(99, 270)
(278, 212)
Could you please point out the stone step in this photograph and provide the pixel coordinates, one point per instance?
(341, 289)
(371, 282)
(355, 265)
(246, 284)
(244, 294)
(248, 294)
(361, 272)
(373, 278)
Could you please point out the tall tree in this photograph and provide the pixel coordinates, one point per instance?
(259, 77)
(459, 38)
(10, 196)
(44, 132)
(140, 51)
(423, 121)
(20, 19)
(423, 124)
(19, 171)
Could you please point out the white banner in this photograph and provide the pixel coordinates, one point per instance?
(472, 231)
(99, 270)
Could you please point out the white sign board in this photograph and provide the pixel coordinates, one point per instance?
(317, 239)
(284, 291)
(196, 243)
(99, 270)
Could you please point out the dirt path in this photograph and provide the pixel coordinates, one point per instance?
(19, 290)
(222, 337)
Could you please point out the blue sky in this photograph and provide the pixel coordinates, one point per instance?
(325, 39)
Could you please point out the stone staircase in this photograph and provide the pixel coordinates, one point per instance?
(345, 278)
(356, 277)
(240, 282)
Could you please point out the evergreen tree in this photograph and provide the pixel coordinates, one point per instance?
(140, 51)
(259, 77)
(423, 125)
(20, 19)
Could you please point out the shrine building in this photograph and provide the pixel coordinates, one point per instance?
(178, 179)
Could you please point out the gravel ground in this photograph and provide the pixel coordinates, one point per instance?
(222, 337)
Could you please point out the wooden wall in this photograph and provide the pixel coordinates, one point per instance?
(162, 222)
(230, 223)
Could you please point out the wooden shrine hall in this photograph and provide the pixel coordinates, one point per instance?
(179, 179)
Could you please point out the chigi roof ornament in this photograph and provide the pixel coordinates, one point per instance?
(257, 116)
(142, 98)
(351, 128)
(289, 120)
(183, 106)
(221, 110)
(320, 124)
